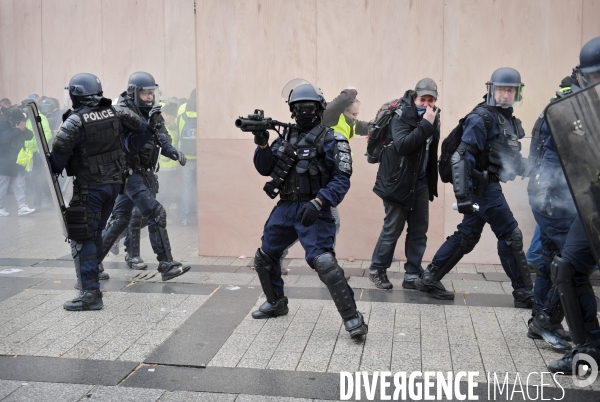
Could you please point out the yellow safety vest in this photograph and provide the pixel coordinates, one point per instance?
(343, 127)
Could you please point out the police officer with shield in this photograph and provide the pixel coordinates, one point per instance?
(142, 185)
(488, 154)
(89, 144)
(553, 209)
(310, 167)
(574, 124)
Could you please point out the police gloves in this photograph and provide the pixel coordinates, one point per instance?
(309, 213)
(261, 138)
(155, 118)
(179, 156)
(465, 205)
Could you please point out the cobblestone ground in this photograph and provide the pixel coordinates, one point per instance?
(193, 338)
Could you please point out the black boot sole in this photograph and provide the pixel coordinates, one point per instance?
(182, 270)
(359, 332)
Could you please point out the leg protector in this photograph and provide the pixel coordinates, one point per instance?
(562, 277)
(514, 242)
(332, 275)
(76, 248)
(133, 259)
(114, 228)
(466, 245)
(158, 232)
(263, 264)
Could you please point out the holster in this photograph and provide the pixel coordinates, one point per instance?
(482, 181)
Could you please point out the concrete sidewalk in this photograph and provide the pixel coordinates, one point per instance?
(193, 339)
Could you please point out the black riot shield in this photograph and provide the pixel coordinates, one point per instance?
(38, 133)
(574, 124)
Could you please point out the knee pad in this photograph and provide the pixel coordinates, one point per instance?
(467, 243)
(328, 268)
(561, 271)
(159, 215)
(514, 239)
(262, 260)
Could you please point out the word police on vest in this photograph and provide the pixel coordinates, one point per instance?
(93, 116)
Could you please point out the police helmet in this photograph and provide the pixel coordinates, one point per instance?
(84, 84)
(504, 87)
(48, 106)
(140, 85)
(589, 63)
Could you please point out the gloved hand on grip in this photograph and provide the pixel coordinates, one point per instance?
(310, 213)
(155, 119)
(179, 156)
(465, 205)
(261, 138)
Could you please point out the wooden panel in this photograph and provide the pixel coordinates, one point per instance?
(247, 52)
(133, 39)
(21, 49)
(591, 20)
(180, 49)
(72, 42)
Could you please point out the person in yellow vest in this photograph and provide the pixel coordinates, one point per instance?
(168, 173)
(30, 158)
(342, 116)
(186, 125)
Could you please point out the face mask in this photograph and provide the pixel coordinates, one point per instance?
(307, 121)
(421, 110)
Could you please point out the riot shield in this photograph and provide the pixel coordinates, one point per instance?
(574, 123)
(38, 134)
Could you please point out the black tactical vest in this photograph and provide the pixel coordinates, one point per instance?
(98, 159)
(510, 131)
(309, 173)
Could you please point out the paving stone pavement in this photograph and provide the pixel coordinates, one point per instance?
(132, 350)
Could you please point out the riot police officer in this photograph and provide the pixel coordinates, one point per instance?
(141, 186)
(310, 167)
(570, 270)
(488, 154)
(89, 144)
(554, 211)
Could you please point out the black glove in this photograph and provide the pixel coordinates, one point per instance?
(261, 138)
(541, 202)
(179, 156)
(155, 118)
(465, 205)
(309, 213)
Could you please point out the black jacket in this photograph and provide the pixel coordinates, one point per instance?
(401, 161)
(12, 141)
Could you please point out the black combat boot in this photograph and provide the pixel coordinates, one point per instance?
(268, 310)
(172, 269)
(135, 262)
(356, 326)
(102, 275)
(428, 283)
(87, 300)
(381, 280)
(565, 365)
(523, 297)
(546, 327)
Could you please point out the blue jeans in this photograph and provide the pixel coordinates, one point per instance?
(534, 254)
(416, 233)
(189, 193)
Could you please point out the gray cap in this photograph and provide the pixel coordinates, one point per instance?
(426, 86)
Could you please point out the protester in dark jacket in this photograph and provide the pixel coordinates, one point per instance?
(406, 181)
(13, 134)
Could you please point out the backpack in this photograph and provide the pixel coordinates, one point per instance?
(453, 140)
(378, 136)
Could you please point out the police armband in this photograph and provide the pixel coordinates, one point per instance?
(128, 118)
(80, 219)
(68, 134)
(342, 155)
